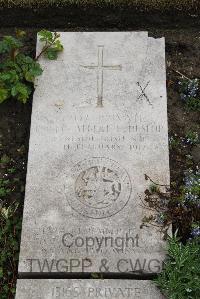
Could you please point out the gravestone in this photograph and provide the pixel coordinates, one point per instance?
(84, 289)
(99, 125)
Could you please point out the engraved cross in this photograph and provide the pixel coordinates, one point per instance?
(100, 68)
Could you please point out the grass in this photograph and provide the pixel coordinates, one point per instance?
(145, 5)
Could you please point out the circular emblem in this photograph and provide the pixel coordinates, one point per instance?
(101, 188)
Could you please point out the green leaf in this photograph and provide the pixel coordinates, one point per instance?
(3, 47)
(45, 36)
(14, 91)
(52, 53)
(4, 95)
(18, 70)
(52, 44)
(21, 92)
(11, 170)
(11, 65)
(22, 59)
(5, 159)
(58, 46)
(28, 60)
(33, 72)
(36, 69)
(29, 77)
(10, 76)
(180, 278)
(9, 43)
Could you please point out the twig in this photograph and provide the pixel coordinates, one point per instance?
(157, 184)
(181, 75)
(47, 46)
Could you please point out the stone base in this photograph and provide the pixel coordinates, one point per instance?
(86, 288)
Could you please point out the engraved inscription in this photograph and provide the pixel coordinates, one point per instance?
(102, 188)
(143, 94)
(96, 292)
(98, 187)
(100, 67)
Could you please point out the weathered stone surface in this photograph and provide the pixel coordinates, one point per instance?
(99, 124)
(84, 289)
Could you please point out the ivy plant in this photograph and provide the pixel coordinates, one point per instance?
(18, 70)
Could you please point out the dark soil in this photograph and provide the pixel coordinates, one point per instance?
(94, 18)
(182, 54)
(14, 133)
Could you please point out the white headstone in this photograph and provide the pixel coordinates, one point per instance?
(84, 289)
(99, 124)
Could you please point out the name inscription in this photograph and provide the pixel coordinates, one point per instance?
(95, 292)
